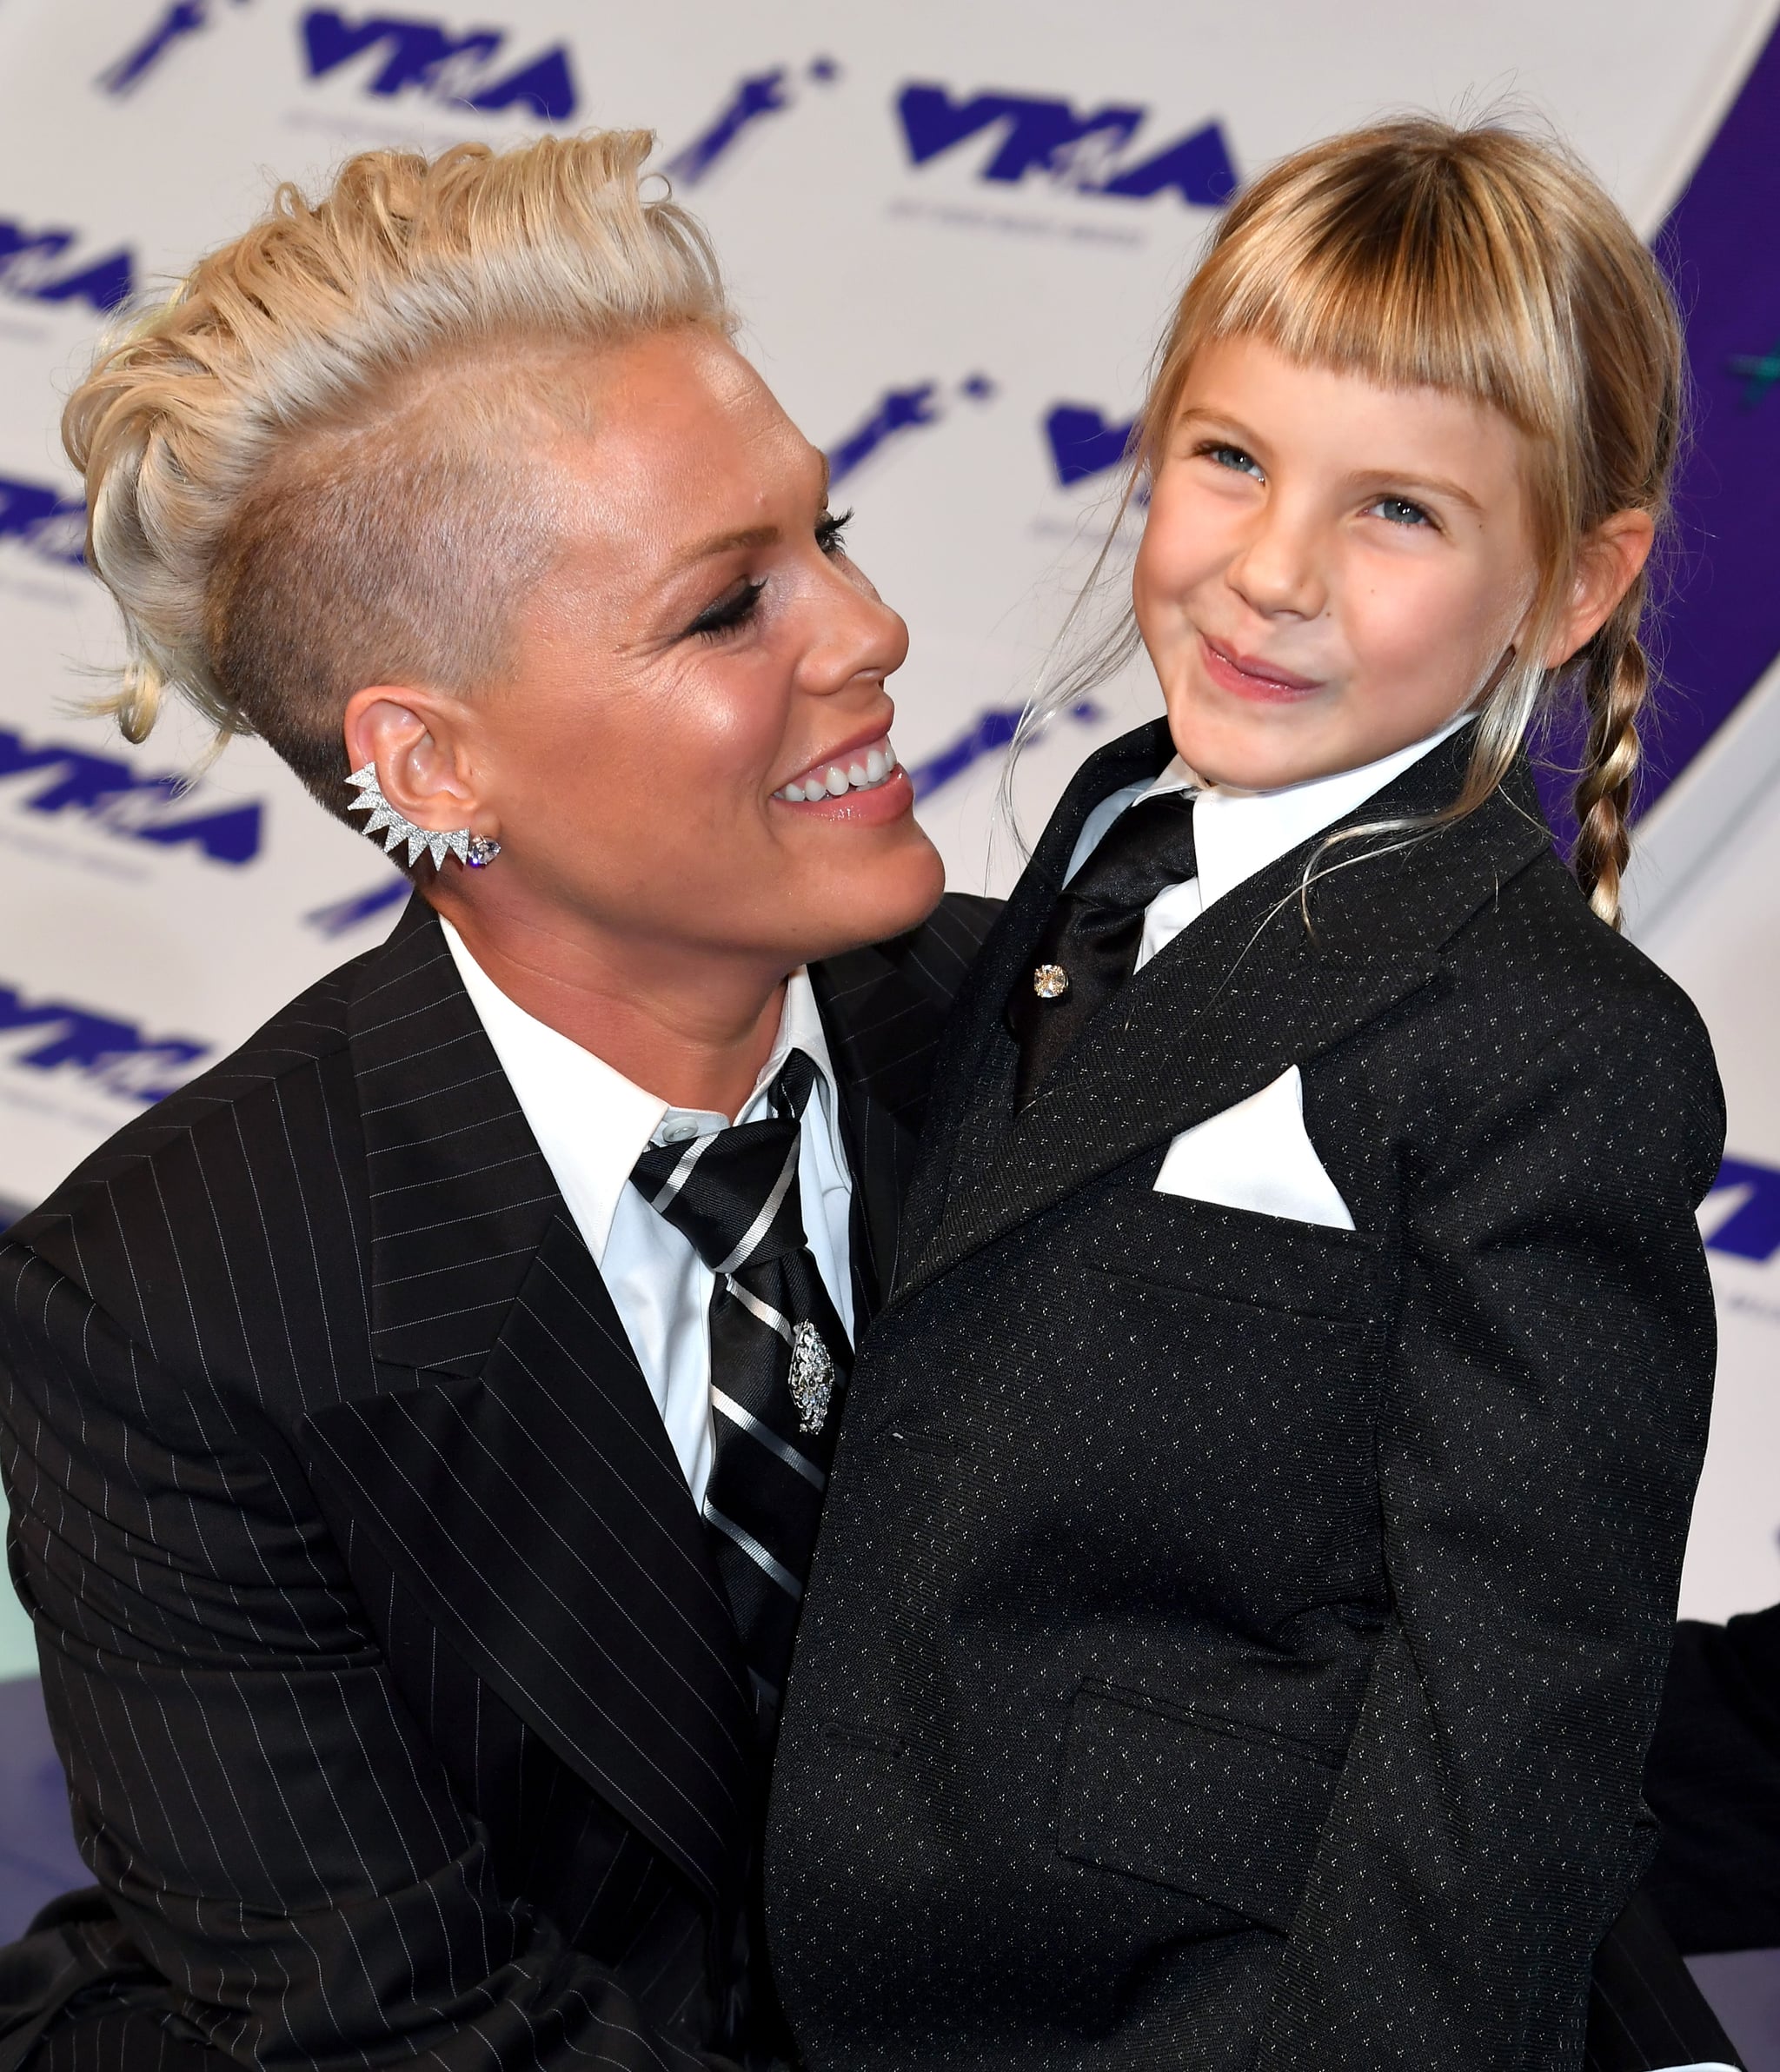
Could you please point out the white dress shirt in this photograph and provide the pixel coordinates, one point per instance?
(1256, 1155)
(592, 1125)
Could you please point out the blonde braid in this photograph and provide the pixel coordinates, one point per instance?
(1615, 682)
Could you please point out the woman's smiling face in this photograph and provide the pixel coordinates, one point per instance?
(1330, 570)
(691, 749)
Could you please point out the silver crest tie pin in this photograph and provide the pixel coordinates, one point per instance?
(812, 1377)
(1050, 981)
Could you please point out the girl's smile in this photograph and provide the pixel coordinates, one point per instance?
(1331, 569)
(1247, 676)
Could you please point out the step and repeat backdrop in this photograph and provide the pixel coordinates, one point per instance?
(954, 232)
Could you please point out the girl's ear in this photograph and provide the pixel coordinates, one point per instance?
(1610, 560)
(420, 744)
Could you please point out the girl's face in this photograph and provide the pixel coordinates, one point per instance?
(1330, 570)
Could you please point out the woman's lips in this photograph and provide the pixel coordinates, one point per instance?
(1248, 678)
(868, 784)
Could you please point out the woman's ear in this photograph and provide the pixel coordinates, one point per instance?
(1610, 560)
(421, 746)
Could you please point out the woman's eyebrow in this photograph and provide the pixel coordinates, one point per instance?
(747, 537)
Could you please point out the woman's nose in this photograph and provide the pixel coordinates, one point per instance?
(856, 635)
(1278, 571)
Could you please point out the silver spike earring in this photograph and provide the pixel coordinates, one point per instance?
(475, 850)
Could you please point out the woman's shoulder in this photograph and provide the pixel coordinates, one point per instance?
(182, 1159)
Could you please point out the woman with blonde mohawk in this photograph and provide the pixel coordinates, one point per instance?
(415, 1427)
(1248, 1577)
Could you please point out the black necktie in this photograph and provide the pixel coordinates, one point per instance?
(779, 1354)
(1089, 946)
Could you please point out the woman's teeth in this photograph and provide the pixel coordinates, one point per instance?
(864, 773)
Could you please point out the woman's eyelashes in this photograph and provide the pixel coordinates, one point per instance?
(735, 608)
(738, 604)
(831, 531)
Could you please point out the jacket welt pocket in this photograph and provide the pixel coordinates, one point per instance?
(1225, 1812)
(1240, 1256)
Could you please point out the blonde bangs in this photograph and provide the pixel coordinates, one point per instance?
(1412, 273)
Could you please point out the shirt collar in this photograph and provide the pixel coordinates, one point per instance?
(1236, 833)
(592, 1124)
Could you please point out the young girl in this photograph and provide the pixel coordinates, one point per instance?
(1250, 1564)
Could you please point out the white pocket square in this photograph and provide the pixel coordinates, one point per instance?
(1258, 1156)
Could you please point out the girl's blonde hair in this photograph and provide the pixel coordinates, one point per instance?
(316, 466)
(1483, 263)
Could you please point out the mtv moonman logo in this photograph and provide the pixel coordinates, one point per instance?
(755, 97)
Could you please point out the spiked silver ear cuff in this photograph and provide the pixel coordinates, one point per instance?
(475, 850)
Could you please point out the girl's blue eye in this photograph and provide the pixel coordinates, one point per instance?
(1234, 458)
(1398, 510)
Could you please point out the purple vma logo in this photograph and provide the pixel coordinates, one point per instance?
(114, 1055)
(173, 26)
(40, 519)
(1083, 442)
(410, 54)
(896, 413)
(1093, 153)
(1751, 1231)
(751, 100)
(105, 792)
(44, 265)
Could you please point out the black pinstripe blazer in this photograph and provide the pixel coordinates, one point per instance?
(403, 1717)
(1233, 1643)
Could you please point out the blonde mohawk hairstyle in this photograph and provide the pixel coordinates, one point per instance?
(319, 465)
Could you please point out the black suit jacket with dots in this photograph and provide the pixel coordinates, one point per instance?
(404, 1719)
(1234, 1643)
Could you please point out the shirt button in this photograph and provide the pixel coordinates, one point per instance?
(678, 1128)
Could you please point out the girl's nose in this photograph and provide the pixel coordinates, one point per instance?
(1279, 572)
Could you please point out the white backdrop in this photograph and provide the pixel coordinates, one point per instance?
(954, 232)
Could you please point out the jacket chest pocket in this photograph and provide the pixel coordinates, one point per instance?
(1228, 1256)
(1202, 1804)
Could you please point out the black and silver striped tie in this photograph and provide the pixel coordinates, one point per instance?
(780, 1355)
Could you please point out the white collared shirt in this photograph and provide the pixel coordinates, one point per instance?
(1236, 833)
(592, 1125)
(1257, 1155)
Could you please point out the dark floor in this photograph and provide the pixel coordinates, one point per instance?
(38, 1860)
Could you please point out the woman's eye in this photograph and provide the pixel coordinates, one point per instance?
(831, 531)
(1398, 510)
(1234, 458)
(734, 608)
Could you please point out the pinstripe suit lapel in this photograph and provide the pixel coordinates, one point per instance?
(1233, 1002)
(515, 1469)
